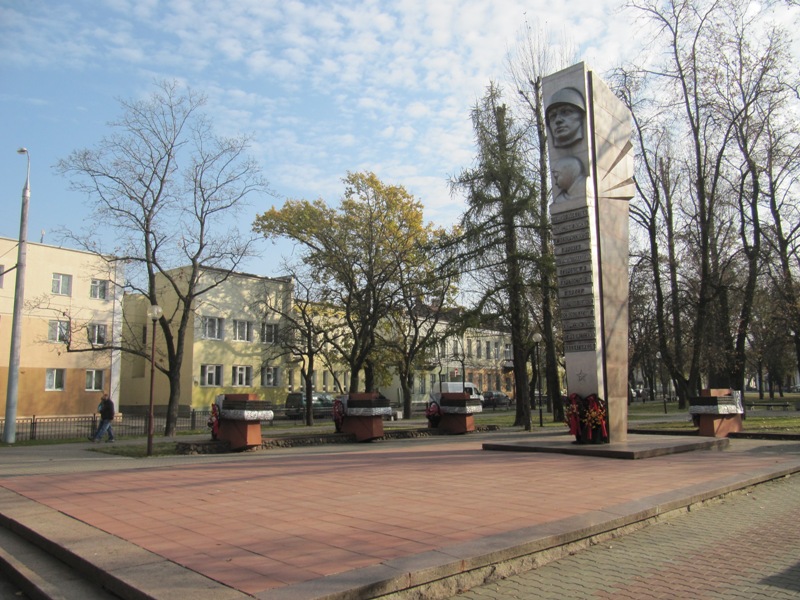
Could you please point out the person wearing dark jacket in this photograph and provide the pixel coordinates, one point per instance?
(106, 410)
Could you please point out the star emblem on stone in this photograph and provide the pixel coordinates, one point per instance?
(582, 376)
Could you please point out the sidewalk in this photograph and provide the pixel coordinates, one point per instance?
(727, 550)
(351, 521)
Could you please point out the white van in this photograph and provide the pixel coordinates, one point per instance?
(455, 387)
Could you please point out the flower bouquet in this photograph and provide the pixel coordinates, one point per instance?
(586, 418)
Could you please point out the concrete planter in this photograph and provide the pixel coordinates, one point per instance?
(364, 416)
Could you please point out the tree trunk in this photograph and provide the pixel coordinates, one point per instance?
(405, 387)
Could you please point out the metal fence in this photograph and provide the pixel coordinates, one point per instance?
(131, 424)
(81, 427)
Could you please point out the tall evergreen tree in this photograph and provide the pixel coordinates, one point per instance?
(497, 224)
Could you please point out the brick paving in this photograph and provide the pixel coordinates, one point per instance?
(288, 523)
(745, 546)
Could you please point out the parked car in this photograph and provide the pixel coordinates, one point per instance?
(496, 399)
(457, 387)
(321, 404)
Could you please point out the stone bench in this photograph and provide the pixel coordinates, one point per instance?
(768, 405)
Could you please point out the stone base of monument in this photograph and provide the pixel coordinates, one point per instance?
(457, 412)
(634, 447)
(719, 425)
(240, 419)
(717, 413)
(240, 435)
(364, 416)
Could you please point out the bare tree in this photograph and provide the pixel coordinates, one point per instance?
(410, 330)
(725, 65)
(164, 188)
(306, 321)
(535, 56)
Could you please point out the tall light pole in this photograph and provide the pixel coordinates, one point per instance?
(10, 429)
(537, 339)
(658, 358)
(154, 312)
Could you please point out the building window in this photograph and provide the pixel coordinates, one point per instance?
(62, 284)
(508, 384)
(497, 353)
(455, 348)
(98, 289)
(478, 347)
(97, 334)
(422, 385)
(94, 380)
(242, 376)
(325, 381)
(210, 375)
(488, 349)
(497, 381)
(58, 331)
(269, 333)
(469, 348)
(508, 353)
(290, 380)
(242, 331)
(433, 382)
(269, 376)
(480, 381)
(54, 380)
(212, 328)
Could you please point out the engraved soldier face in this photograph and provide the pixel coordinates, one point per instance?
(566, 172)
(565, 115)
(566, 124)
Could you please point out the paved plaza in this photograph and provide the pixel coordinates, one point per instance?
(746, 546)
(361, 520)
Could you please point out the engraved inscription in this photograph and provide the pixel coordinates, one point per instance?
(580, 347)
(578, 313)
(576, 247)
(580, 301)
(578, 257)
(570, 226)
(577, 336)
(572, 324)
(574, 269)
(582, 234)
(574, 291)
(570, 215)
(585, 279)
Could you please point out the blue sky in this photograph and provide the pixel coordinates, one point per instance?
(324, 87)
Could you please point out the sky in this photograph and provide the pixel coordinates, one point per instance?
(323, 87)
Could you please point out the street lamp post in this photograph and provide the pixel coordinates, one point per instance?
(537, 338)
(658, 358)
(154, 312)
(12, 390)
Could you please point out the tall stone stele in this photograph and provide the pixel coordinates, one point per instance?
(591, 162)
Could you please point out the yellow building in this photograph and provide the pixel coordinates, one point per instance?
(71, 319)
(482, 356)
(229, 345)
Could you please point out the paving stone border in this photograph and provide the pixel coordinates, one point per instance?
(296, 441)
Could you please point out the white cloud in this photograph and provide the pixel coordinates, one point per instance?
(325, 86)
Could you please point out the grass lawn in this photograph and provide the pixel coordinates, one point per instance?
(647, 415)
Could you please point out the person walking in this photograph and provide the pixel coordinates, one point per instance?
(106, 410)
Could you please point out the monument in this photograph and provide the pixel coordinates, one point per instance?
(591, 162)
